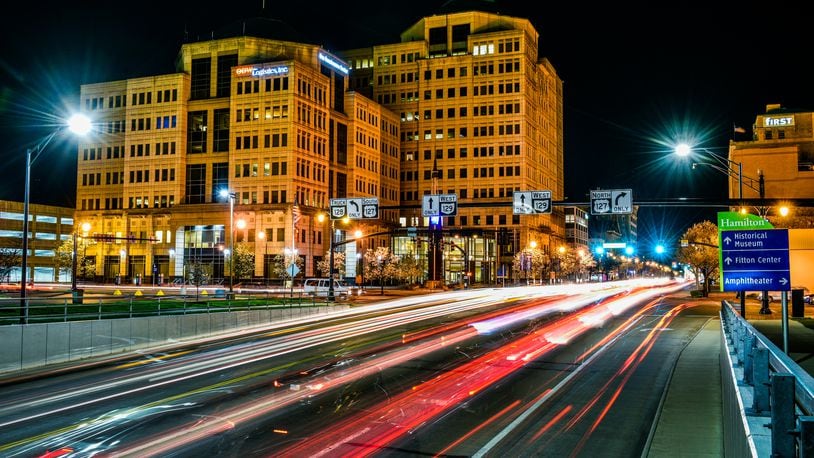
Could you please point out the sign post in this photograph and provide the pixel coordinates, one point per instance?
(612, 202)
(754, 256)
(531, 202)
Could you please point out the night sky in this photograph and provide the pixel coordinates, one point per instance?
(635, 78)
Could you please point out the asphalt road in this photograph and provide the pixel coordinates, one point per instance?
(523, 372)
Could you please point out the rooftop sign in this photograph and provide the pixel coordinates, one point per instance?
(333, 62)
(261, 71)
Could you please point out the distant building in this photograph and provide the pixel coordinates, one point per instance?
(781, 152)
(576, 228)
(270, 121)
(48, 227)
(461, 105)
(481, 117)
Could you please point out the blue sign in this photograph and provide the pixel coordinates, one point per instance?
(755, 260)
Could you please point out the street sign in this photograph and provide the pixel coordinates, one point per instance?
(338, 208)
(355, 208)
(755, 259)
(612, 202)
(531, 202)
(293, 270)
(439, 205)
(412, 231)
(370, 208)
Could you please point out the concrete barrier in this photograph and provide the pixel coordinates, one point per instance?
(37, 345)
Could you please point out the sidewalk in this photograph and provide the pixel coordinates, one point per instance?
(690, 420)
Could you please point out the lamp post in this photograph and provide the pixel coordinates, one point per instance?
(231, 195)
(262, 236)
(729, 168)
(331, 293)
(78, 124)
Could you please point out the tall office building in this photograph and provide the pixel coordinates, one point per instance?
(481, 117)
(267, 121)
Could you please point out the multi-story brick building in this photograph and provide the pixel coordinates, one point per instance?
(462, 105)
(481, 117)
(269, 121)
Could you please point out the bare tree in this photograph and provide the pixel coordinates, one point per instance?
(10, 258)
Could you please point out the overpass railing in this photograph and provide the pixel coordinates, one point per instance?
(768, 398)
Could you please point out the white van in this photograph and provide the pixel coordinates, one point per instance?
(319, 287)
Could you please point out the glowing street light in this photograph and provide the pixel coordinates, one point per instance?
(78, 124)
(231, 195)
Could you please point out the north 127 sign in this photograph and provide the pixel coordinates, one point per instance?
(612, 202)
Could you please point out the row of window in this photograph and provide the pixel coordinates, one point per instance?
(478, 151)
(253, 86)
(36, 235)
(269, 141)
(477, 172)
(14, 216)
(481, 90)
(250, 169)
(158, 201)
(253, 114)
(138, 98)
(307, 169)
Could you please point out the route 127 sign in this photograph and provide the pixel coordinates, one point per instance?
(612, 202)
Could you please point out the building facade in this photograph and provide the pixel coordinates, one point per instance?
(48, 228)
(481, 117)
(461, 105)
(265, 122)
(779, 160)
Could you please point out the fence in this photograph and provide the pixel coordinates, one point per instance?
(66, 308)
(768, 399)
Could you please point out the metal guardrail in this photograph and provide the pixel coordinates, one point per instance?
(67, 308)
(781, 389)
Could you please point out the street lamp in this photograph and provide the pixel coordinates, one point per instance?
(262, 236)
(79, 124)
(731, 168)
(726, 166)
(231, 195)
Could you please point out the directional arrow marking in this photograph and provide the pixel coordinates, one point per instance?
(727, 240)
(783, 281)
(728, 260)
(620, 196)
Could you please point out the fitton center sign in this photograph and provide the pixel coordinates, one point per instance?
(752, 254)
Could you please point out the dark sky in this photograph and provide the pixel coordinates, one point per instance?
(635, 77)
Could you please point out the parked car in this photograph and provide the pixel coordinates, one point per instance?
(319, 287)
(775, 295)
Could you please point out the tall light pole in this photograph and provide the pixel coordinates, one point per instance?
(331, 292)
(262, 236)
(231, 195)
(724, 165)
(729, 168)
(78, 124)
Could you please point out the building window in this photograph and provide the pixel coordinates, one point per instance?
(201, 72)
(196, 184)
(225, 64)
(196, 139)
(220, 141)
